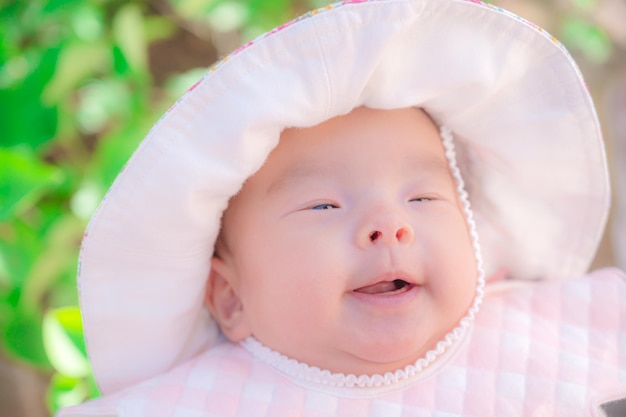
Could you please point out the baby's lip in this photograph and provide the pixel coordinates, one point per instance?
(384, 287)
(388, 284)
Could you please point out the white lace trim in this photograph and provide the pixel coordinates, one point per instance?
(314, 375)
(448, 143)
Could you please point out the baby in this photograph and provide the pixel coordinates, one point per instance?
(294, 237)
(349, 249)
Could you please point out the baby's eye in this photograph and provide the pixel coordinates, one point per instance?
(421, 199)
(326, 206)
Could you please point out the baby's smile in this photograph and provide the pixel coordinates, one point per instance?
(388, 294)
(397, 286)
(389, 283)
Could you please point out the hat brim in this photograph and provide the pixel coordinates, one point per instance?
(532, 157)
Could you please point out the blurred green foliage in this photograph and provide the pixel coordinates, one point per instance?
(79, 88)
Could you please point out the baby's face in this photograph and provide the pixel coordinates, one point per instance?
(348, 250)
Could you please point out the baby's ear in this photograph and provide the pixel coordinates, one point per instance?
(223, 302)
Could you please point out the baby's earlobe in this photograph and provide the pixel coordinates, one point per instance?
(223, 302)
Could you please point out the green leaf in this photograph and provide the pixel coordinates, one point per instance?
(228, 16)
(19, 247)
(29, 121)
(54, 6)
(129, 35)
(23, 179)
(158, 28)
(589, 39)
(65, 391)
(6, 306)
(6, 231)
(22, 338)
(178, 84)
(77, 61)
(87, 22)
(34, 260)
(270, 14)
(64, 291)
(99, 102)
(86, 199)
(14, 71)
(192, 9)
(58, 253)
(585, 5)
(63, 341)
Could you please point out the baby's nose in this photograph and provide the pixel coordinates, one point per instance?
(384, 229)
(403, 234)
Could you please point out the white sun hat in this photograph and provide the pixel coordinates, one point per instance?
(530, 147)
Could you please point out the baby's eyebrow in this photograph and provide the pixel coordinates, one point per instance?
(412, 165)
(436, 165)
(292, 174)
(419, 164)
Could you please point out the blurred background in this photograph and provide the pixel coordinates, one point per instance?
(82, 82)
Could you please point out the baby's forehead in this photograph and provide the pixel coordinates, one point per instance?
(405, 141)
(358, 126)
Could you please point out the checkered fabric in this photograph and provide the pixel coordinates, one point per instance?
(547, 349)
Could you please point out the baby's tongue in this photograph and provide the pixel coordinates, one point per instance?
(378, 288)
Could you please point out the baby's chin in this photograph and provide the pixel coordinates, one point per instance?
(376, 357)
(377, 352)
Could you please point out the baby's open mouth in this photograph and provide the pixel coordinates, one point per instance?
(396, 286)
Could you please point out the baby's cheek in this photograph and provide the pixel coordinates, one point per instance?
(455, 288)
